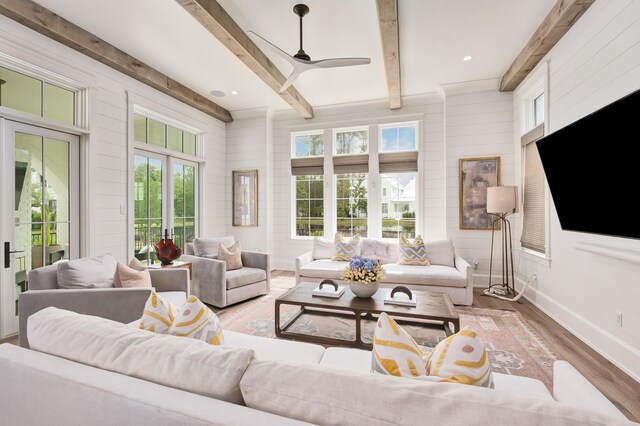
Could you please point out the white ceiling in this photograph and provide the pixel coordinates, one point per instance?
(434, 37)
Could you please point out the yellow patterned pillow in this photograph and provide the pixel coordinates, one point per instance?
(343, 250)
(197, 321)
(158, 314)
(460, 358)
(413, 253)
(394, 351)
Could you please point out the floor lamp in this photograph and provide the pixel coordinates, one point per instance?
(501, 201)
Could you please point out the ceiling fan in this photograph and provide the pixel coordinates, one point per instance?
(301, 62)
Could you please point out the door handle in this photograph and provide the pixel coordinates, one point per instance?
(8, 252)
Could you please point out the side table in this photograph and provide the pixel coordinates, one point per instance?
(175, 264)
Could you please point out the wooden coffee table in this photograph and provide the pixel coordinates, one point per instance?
(433, 310)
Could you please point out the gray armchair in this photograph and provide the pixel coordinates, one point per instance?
(118, 304)
(213, 284)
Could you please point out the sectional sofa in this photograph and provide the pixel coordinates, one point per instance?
(89, 370)
(447, 272)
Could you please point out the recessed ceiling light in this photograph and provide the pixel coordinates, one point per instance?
(234, 92)
(467, 58)
(217, 93)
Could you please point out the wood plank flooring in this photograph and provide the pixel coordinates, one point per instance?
(615, 384)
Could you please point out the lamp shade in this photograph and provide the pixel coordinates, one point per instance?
(501, 199)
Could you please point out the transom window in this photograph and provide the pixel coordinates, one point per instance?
(398, 138)
(351, 141)
(153, 132)
(308, 145)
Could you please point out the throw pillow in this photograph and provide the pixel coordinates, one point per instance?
(232, 256)
(343, 250)
(460, 358)
(158, 314)
(132, 278)
(441, 253)
(87, 272)
(134, 265)
(413, 253)
(394, 351)
(375, 249)
(209, 246)
(322, 248)
(197, 321)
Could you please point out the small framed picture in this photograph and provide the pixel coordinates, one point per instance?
(245, 197)
(476, 175)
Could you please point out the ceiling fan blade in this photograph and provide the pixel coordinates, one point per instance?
(293, 77)
(338, 62)
(276, 49)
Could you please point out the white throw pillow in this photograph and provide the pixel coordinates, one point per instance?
(441, 253)
(376, 249)
(209, 246)
(197, 321)
(88, 272)
(158, 314)
(322, 248)
(394, 351)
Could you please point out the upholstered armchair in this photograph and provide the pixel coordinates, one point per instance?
(118, 304)
(214, 284)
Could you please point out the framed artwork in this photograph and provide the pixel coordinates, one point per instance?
(476, 175)
(245, 197)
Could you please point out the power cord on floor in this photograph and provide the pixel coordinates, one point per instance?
(498, 293)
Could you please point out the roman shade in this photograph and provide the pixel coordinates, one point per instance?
(343, 164)
(307, 166)
(398, 162)
(533, 222)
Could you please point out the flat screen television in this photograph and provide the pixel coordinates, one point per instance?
(593, 170)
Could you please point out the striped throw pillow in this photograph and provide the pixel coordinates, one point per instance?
(197, 321)
(343, 250)
(460, 358)
(158, 314)
(394, 352)
(412, 253)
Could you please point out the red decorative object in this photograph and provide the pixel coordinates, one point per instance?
(166, 250)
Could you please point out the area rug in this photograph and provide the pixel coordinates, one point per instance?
(514, 348)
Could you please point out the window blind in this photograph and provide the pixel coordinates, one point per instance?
(398, 162)
(533, 227)
(307, 166)
(351, 164)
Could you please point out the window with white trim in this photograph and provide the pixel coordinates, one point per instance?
(307, 167)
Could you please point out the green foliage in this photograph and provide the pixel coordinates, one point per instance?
(407, 215)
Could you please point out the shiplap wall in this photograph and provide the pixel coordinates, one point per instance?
(595, 63)
(478, 123)
(107, 142)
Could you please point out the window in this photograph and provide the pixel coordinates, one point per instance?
(398, 138)
(351, 204)
(153, 132)
(147, 205)
(184, 203)
(34, 96)
(399, 209)
(534, 206)
(309, 205)
(308, 145)
(538, 110)
(352, 141)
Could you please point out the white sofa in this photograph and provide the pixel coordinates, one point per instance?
(447, 272)
(279, 382)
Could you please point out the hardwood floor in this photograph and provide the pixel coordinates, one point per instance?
(616, 385)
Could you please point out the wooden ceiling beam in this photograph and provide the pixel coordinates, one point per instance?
(44, 21)
(560, 19)
(218, 22)
(388, 21)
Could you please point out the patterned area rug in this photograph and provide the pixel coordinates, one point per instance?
(514, 348)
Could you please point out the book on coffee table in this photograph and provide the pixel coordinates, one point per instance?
(328, 291)
(400, 298)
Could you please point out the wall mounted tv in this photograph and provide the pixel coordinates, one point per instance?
(593, 170)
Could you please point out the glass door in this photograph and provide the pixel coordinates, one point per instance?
(148, 190)
(185, 180)
(39, 216)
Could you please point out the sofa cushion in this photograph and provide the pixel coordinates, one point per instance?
(87, 272)
(320, 395)
(322, 248)
(521, 386)
(275, 349)
(187, 364)
(209, 246)
(443, 276)
(196, 321)
(244, 276)
(356, 360)
(441, 253)
(323, 268)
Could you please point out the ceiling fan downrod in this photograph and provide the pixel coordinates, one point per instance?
(301, 10)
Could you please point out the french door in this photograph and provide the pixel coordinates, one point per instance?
(39, 213)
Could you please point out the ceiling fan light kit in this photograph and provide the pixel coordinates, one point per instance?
(301, 61)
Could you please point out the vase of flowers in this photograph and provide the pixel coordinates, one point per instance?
(364, 276)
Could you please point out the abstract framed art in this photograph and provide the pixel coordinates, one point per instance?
(244, 197)
(476, 175)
